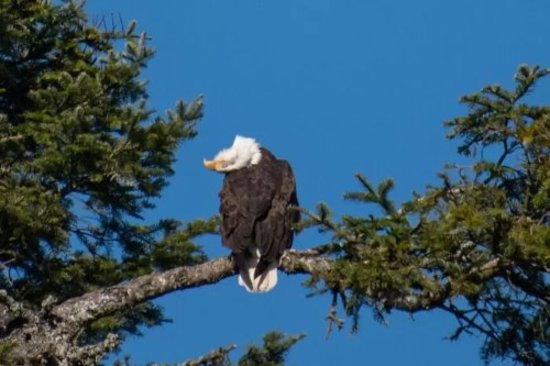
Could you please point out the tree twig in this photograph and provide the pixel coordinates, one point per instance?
(215, 357)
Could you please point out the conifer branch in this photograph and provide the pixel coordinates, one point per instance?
(59, 338)
(96, 304)
(218, 356)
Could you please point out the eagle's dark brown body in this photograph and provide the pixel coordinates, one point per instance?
(255, 211)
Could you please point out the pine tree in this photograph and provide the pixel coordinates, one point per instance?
(82, 157)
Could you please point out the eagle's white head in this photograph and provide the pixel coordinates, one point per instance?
(244, 152)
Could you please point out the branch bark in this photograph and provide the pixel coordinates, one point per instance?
(96, 304)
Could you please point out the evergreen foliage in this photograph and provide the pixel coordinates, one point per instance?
(477, 245)
(82, 157)
(272, 353)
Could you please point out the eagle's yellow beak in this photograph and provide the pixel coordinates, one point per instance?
(213, 164)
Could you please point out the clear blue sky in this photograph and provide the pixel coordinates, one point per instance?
(335, 87)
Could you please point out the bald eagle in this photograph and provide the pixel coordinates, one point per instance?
(256, 222)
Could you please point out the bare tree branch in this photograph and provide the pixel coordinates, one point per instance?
(127, 294)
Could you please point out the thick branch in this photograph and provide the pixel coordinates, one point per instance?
(47, 337)
(125, 295)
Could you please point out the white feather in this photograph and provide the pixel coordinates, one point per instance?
(262, 283)
(244, 152)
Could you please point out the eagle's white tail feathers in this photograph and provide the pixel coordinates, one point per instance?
(263, 283)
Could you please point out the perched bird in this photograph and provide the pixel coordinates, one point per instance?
(256, 219)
